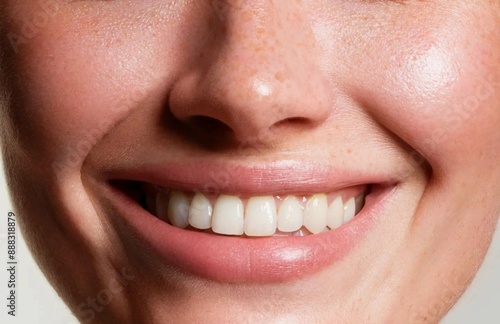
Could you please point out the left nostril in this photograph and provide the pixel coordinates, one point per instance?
(208, 125)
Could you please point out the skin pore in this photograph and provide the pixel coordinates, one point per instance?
(407, 91)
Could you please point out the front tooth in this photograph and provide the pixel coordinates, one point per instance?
(178, 208)
(315, 213)
(200, 212)
(349, 210)
(227, 217)
(260, 216)
(290, 216)
(335, 213)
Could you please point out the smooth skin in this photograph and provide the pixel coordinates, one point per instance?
(408, 87)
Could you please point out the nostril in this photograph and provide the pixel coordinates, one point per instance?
(208, 125)
(293, 121)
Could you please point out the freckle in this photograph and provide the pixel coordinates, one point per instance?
(349, 151)
(260, 31)
(279, 76)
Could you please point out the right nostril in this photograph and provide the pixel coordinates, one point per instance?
(298, 121)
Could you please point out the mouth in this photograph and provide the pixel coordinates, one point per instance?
(246, 233)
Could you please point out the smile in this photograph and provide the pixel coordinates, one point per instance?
(248, 234)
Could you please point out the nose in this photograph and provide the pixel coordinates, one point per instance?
(257, 78)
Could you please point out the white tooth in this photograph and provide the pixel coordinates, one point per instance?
(315, 213)
(200, 212)
(290, 216)
(178, 208)
(227, 217)
(260, 216)
(349, 210)
(335, 213)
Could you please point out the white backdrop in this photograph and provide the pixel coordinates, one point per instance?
(38, 303)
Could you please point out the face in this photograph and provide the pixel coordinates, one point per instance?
(228, 161)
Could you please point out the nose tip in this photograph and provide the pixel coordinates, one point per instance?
(248, 106)
(262, 78)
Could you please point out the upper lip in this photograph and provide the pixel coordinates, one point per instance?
(284, 176)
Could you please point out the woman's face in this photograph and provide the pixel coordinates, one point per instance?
(268, 111)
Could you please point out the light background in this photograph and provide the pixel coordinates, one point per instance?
(38, 303)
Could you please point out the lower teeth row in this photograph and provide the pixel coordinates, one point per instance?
(259, 216)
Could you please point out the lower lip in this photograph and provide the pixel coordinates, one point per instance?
(251, 260)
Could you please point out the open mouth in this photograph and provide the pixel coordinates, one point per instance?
(260, 227)
(255, 216)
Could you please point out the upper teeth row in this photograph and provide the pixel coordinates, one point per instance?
(260, 216)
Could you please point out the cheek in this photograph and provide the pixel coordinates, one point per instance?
(75, 79)
(450, 96)
(441, 95)
(57, 109)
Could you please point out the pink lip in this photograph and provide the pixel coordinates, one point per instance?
(251, 179)
(247, 260)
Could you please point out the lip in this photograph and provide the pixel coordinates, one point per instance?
(247, 179)
(246, 260)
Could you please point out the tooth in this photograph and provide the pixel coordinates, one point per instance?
(227, 217)
(178, 208)
(349, 210)
(290, 216)
(315, 213)
(335, 213)
(200, 212)
(260, 216)
(360, 202)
